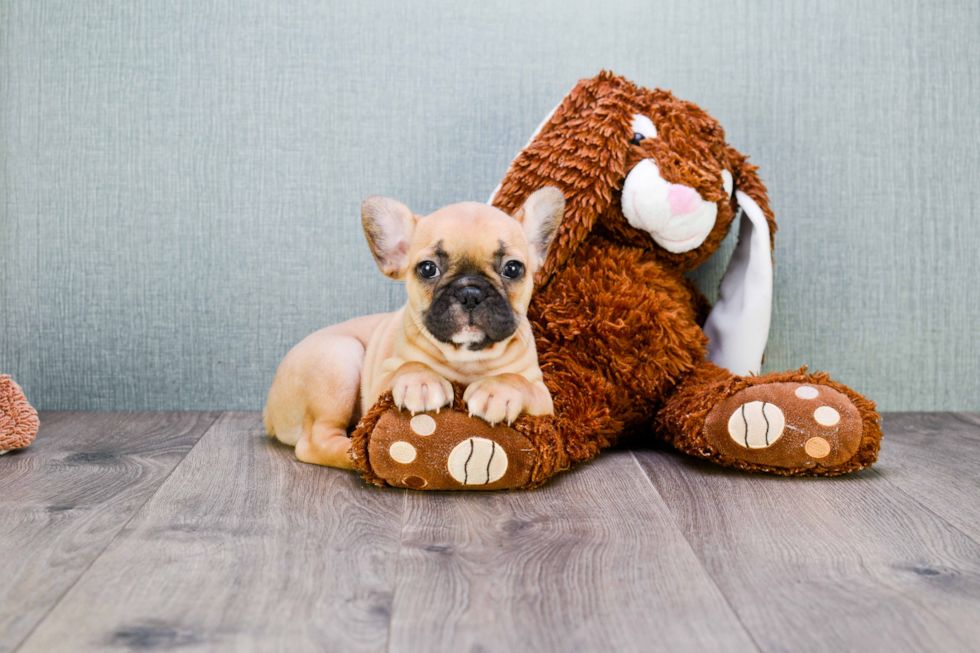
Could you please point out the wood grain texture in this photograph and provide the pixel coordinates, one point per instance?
(590, 562)
(122, 540)
(244, 549)
(933, 457)
(64, 498)
(848, 563)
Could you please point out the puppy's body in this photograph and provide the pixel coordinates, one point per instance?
(465, 322)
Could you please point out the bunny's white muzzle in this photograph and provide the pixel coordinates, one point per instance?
(676, 216)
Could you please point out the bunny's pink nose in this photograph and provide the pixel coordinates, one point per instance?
(682, 199)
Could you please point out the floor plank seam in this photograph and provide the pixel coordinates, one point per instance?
(968, 418)
(112, 539)
(394, 583)
(932, 512)
(694, 552)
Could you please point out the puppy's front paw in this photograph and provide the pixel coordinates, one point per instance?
(497, 398)
(421, 390)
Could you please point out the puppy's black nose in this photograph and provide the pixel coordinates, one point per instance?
(470, 297)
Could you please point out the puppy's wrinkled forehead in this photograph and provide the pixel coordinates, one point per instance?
(469, 232)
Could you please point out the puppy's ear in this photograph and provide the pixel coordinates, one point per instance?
(388, 225)
(540, 216)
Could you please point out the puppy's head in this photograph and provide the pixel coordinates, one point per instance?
(468, 267)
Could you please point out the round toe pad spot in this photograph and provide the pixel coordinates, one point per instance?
(826, 416)
(817, 448)
(423, 425)
(402, 452)
(807, 392)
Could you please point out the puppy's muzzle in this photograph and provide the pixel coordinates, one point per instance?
(470, 296)
(470, 311)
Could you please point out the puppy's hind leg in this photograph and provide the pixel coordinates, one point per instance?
(314, 397)
(326, 444)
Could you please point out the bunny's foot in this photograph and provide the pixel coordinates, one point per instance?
(787, 425)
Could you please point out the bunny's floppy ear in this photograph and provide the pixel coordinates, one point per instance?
(581, 150)
(738, 325)
(747, 180)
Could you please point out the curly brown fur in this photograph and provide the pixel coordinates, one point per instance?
(18, 419)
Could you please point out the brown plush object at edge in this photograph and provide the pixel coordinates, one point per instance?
(617, 325)
(18, 420)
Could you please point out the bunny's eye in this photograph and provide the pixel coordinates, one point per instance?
(642, 128)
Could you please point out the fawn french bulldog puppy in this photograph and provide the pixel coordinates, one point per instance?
(469, 270)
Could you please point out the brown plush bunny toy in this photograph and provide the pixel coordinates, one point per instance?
(627, 345)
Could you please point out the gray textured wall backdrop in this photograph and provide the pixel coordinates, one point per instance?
(181, 180)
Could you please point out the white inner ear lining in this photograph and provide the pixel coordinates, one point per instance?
(738, 325)
(727, 182)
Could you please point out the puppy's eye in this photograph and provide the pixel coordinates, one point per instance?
(513, 270)
(427, 270)
(637, 138)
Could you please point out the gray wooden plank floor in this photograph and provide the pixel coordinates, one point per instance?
(195, 532)
(243, 548)
(827, 564)
(590, 562)
(933, 457)
(64, 498)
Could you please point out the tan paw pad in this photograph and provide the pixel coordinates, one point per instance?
(477, 461)
(756, 425)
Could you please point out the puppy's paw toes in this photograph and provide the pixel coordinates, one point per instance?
(786, 425)
(420, 392)
(494, 401)
(449, 451)
(491, 408)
